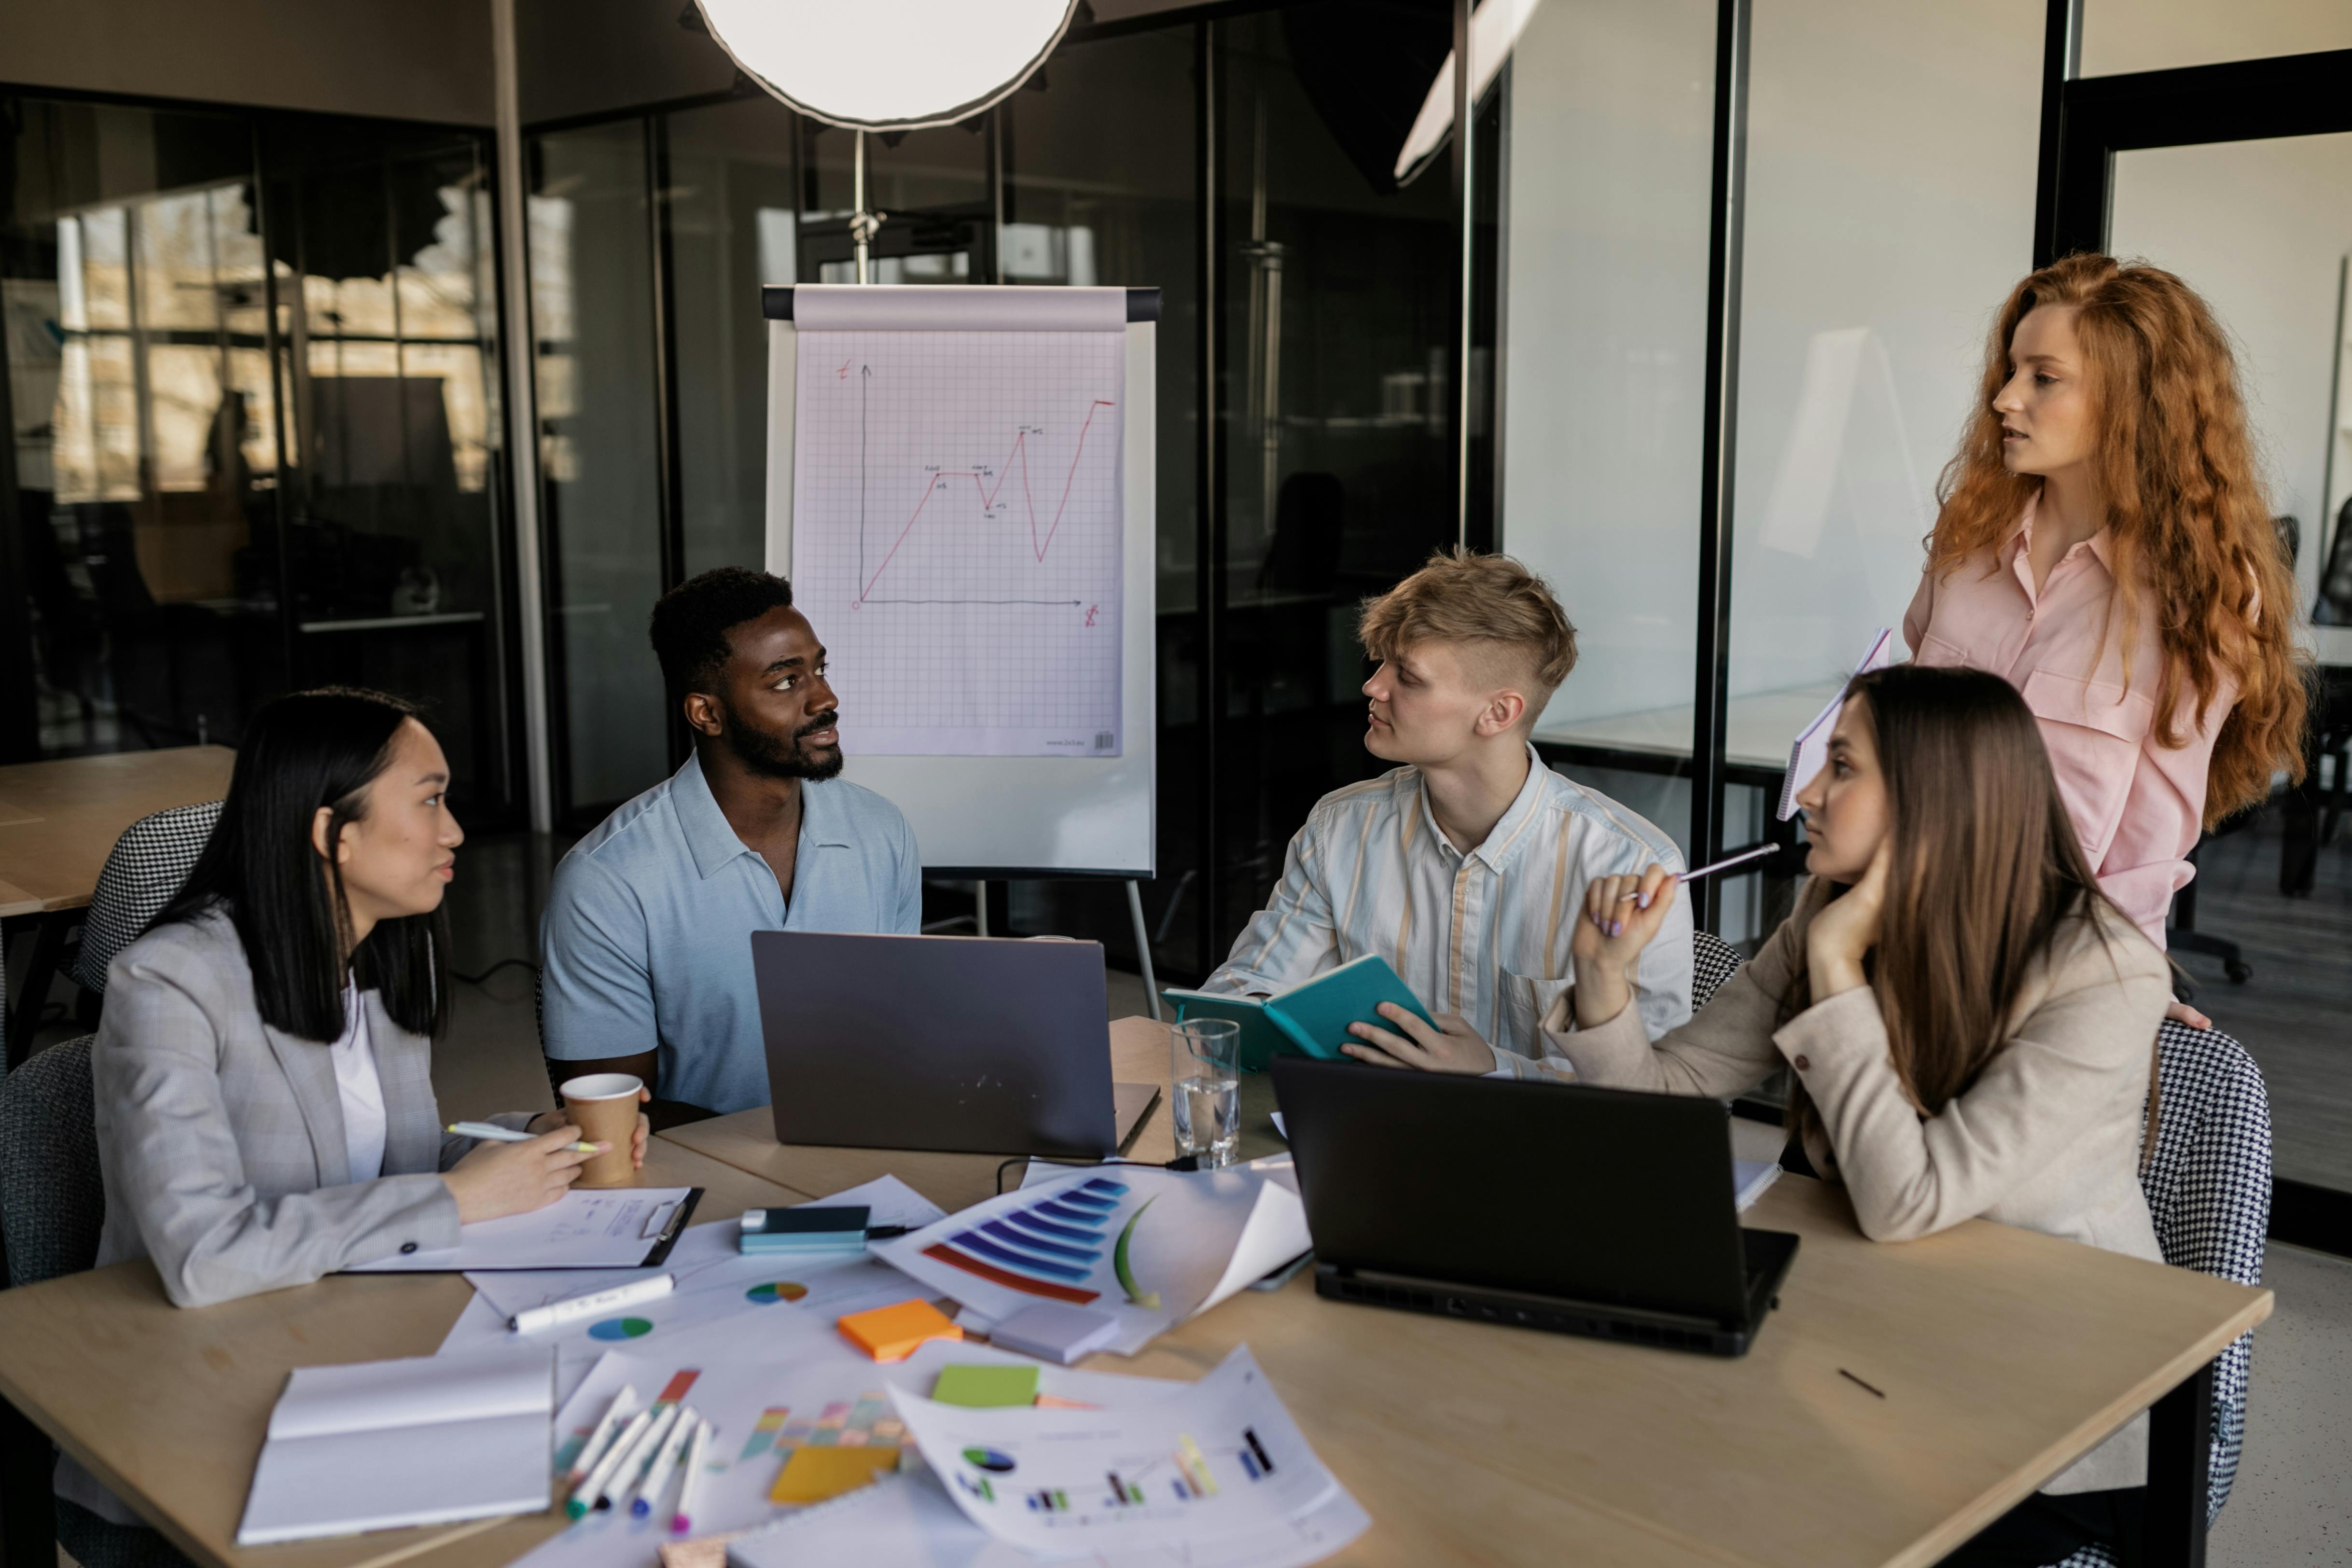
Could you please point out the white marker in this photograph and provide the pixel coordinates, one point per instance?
(623, 1482)
(656, 1485)
(491, 1132)
(583, 1496)
(683, 1519)
(1742, 858)
(576, 1307)
(624, 1405)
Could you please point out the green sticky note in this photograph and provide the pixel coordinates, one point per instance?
(986, 1387)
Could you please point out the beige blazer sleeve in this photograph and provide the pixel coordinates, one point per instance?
(1725, 1050)
(2081, 1049)
(210, 1127)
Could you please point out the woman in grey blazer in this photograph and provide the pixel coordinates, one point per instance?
(1969, 1023)
(263, 1072)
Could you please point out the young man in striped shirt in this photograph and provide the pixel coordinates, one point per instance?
(1464, 866)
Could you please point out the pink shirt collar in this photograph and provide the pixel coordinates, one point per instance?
(2020, 539)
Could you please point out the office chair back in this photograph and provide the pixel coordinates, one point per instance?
(1713, 961)
(52, 1203)
(146, 867)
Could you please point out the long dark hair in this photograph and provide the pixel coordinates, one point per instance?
(1985, 867)
(260, 868)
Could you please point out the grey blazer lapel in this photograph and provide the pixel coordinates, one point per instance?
(404, 1066)
(310, 1069)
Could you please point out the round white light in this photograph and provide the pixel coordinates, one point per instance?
(888, 65)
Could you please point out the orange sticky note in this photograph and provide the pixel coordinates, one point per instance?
(812, 1475)
(892, 1333)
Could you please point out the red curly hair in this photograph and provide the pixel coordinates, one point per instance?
(2192, 525)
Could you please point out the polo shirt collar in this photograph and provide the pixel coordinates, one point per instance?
(710, 837)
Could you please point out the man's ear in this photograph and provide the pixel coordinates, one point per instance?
(1502, 713)
(702, 714)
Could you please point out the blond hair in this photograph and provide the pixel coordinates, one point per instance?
(1488, 604)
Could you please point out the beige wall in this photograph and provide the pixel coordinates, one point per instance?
(415, 59)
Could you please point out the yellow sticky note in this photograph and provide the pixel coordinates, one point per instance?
(812, 1475)
(892, 1333)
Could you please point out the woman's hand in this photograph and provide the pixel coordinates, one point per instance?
(1620, 914)
(548, 1121)
(2179, 1011)
(1452, 1047)
(1846, 929)
(499, 1179)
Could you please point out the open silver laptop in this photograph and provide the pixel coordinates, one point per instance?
(970, 1044)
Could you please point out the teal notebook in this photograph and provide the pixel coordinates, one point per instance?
(1310, 1019)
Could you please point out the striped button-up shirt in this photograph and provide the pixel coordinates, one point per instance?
(1484, 933)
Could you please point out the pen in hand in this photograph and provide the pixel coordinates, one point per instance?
(490, 1132)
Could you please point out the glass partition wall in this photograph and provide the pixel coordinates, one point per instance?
(251, 382)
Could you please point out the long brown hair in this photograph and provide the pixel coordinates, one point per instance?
(1985, 867)
(2191, 526)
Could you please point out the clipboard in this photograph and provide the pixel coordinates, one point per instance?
(611, 1228)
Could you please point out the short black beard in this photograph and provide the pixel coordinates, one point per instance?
(765, 754)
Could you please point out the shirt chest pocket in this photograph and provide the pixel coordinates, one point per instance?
(2093, 731)
(1519, 1011)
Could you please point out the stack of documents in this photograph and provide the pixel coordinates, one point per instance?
(386, 1443)
(1211, 1475)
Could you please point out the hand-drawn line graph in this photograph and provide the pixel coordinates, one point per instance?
(986, 491)
(958, 535)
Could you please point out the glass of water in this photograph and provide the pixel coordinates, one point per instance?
(1205, 1085)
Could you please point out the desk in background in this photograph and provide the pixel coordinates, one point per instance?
(58, 821)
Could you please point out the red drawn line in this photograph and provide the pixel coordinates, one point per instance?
(1037, 546)
(949, 1255)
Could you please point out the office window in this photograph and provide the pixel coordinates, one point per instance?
(2120, 35)
(1608, 111)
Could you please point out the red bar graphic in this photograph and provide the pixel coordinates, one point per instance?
(949, 1255)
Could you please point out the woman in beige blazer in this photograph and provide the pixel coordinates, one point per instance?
(1970, 1023)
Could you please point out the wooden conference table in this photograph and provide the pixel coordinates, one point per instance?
(58, 821)
(1900, 1398)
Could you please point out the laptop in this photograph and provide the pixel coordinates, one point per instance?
(1590, 1211)
(967, 1044)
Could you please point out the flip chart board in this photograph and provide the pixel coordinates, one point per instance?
(960, 487)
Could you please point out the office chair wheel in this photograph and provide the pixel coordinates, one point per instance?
(2239, 971)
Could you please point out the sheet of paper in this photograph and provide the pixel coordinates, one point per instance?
(612, 1230)
(907, 1522)
(1147, 1245)
(769, 1392)
(1220, 1462)
(715, 1282)
(1750, 1178)
(419, 1441)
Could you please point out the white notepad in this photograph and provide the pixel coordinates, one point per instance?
(428, 1440)
(1811, 747)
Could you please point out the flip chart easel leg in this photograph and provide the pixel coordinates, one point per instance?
(979, 905)
(1143, 946)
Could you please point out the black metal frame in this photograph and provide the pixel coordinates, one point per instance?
(2084, 123)
(1726, 221)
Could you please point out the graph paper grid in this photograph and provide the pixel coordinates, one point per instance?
(956, 537)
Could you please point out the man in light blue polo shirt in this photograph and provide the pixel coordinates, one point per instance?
(647, 938)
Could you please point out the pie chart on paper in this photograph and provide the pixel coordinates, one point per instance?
(775, 1291)
(620, 1328)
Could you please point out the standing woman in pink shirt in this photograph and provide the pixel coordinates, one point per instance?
(2106, 547)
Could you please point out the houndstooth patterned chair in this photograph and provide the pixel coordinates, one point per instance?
(147, 864)
(52, 1207)
(2208, 1189)
(2207, 1183)
(1713, 961)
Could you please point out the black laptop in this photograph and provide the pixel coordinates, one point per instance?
(964, 1043)
(1581, 1210)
